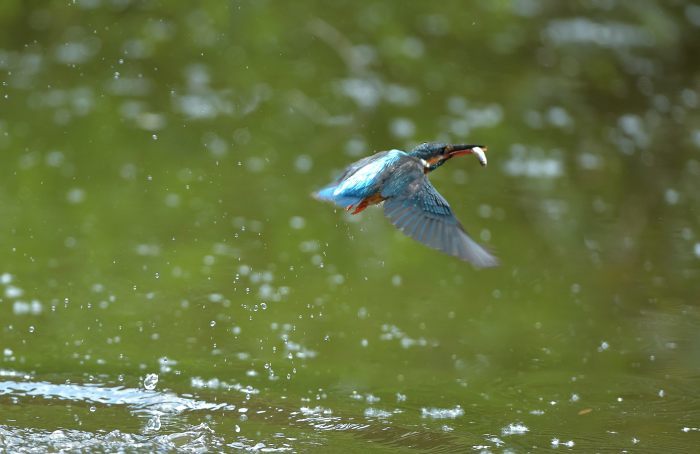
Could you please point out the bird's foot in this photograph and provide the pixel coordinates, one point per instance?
(364, 204)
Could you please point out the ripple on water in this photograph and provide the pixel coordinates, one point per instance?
(442, 413)
(153, 405)
(138, 400)
(556, 443)
(372, 412)
(215, 383)
(192, 438)
(514, 429)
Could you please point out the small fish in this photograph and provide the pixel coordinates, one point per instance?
(480, 155)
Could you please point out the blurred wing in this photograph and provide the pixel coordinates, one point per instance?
(357, 165)
(424, 215)
(360, 179)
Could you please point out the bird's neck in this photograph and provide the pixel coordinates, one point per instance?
(429, 164)
(429, 167)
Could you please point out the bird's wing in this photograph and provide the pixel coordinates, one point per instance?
(361, 179)
(357, 165)
(420, 212)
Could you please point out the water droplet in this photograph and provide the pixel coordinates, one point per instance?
(150, 381)
(154, 137)
(153, 424)
(212, 323)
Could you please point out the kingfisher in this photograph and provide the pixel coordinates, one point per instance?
(399, 180)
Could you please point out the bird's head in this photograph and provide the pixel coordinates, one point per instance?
(436, 154)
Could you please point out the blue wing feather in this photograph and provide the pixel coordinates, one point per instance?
(361, 179)
(420, 212)
(344, 201)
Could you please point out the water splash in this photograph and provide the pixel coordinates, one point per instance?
(137, 400)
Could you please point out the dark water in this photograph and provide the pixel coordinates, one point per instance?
(167, 282)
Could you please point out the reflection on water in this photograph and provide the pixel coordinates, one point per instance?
(167, 282)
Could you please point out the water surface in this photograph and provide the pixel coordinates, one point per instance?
(167, 282)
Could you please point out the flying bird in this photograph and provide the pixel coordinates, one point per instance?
(399, 180)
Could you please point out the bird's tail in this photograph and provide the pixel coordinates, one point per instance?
(342, 200)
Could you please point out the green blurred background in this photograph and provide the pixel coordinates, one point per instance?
(167, 282)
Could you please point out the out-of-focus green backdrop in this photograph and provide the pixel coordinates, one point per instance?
(167, 282)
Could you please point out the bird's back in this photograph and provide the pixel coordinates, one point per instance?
(366, 177)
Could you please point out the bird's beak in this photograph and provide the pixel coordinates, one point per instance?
(479, 151)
